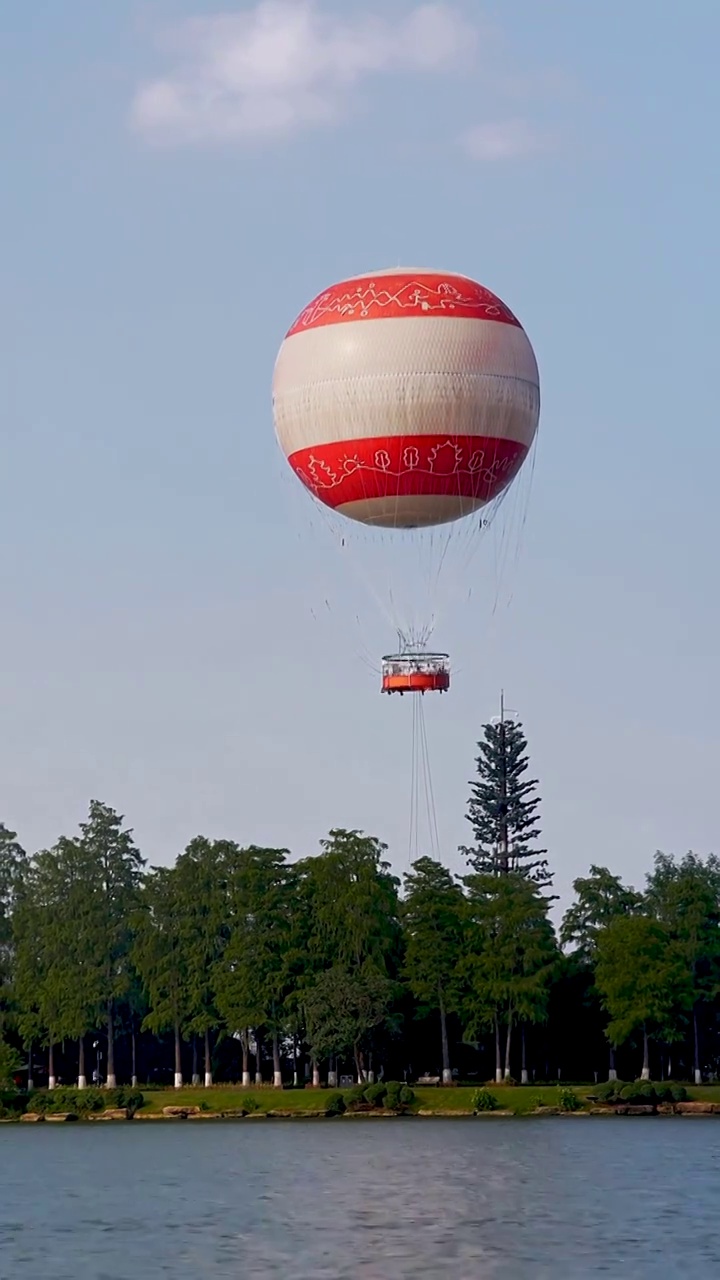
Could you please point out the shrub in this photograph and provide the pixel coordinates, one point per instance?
(567, 1099)
(375, 1094)
(335, 1105)
(407, 1095)
(249, 1104)
(12, 1103)
(539, 1101)
(393, 1096)
(484, 1100)
(356, 1095)
(640, 1093)
(679, 1092)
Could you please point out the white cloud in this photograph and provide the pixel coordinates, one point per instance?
(285, 65)
(504, 140)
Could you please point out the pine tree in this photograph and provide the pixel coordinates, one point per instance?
(503, 807)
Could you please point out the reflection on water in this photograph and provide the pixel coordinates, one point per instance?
(362, 1200)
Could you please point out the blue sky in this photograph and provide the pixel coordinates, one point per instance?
(178, 181)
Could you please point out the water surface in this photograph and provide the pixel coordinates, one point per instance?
(362, 1200)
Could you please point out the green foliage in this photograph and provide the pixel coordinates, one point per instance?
(13, 1102)
(407, 1095)
(355, 1095)
(641, 977)
(9, 1063)
(249, 1104)
(375, 1094)
(83, 1102)
(510, 952)
(484, 1100)
(600, 898)
(639, 1093)
(567, 1099)
(342, 1008)
(335, 1105)
(503, 808)
(609, 1091)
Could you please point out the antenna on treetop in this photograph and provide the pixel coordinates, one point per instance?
(505, 712)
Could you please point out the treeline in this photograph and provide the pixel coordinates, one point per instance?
(242, 963)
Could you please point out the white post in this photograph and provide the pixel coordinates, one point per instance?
(82, 1082)
(246, 1079)
(277, 1080)
(178, 1080)
(208, 1079)
(51, 1082)
(332, 1079)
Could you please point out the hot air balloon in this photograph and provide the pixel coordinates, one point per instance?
(406, 402)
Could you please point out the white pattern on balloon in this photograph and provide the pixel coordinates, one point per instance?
(442, 461)
(412, 295)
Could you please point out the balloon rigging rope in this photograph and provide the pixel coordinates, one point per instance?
(423, 835)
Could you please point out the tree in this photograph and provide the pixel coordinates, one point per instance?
(343, 1007)
(685, 897)
(643, 982)
(13, 861)
(118, 869)
(509, 961)
(9, 1063)
(433, 916)
(252, 982)
(60, 972)
(201, 884)
(159, 958)
(503, 807)
(600, 898)
(354, 928)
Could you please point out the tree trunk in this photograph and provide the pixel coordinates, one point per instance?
(277, 1073)
(446, 1072)
(498, 1059)
(133, 1053)
(359, 1065)
(612, 1073)
(258, 1058)
(315, 1074)
(507, 1047)
(111, 1082)
(645, 1073)
(523, 1065)
(51, 1065)
(195, 1072)
(178, 1058)
(696, 1045)
(245, 1043)
(208, 1060)
(30, 1083)
(295, 1063)
(82, 1081)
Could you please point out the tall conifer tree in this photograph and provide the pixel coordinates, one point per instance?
(503, 807)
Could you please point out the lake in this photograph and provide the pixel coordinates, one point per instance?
(487, 1199)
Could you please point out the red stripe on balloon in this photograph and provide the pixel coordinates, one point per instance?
(432, 466)
(389, 297)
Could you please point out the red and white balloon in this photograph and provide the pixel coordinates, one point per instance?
(406, 398)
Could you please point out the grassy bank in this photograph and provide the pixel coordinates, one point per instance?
(516, 1099)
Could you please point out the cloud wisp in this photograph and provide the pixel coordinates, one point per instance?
(286, 65)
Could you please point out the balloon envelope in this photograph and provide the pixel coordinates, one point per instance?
(406, 398)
